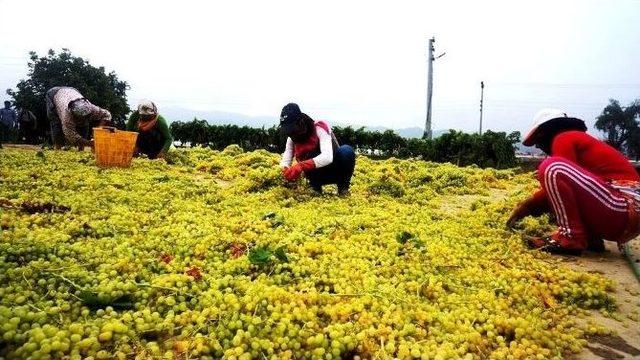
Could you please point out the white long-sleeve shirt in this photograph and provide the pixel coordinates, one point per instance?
(69, 122)
(326, 150)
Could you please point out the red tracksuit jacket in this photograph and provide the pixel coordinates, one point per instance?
(591, 154)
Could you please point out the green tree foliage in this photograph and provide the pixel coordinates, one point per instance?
(199, 132)
(633, 144)
(64, 69)
(491, 149)
(620, 126)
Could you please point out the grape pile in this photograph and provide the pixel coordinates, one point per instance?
(214, 256)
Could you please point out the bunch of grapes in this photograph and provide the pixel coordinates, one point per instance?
(214, 256)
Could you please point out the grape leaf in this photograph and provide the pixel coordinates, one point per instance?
(93, 301)
(259, 256)
(281, 254)
(195, 273)
(403, 237)
(238, 250)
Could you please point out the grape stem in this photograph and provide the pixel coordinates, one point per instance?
(78, 287)
(27, 281)
(64, 268)
(34, 307)
(75, 296)
(381, 350)
(357, 295)
(162, 288)
(67, 280)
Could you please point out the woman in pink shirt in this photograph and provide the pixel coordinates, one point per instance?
(316, 151)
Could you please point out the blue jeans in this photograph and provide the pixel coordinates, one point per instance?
(338, 172)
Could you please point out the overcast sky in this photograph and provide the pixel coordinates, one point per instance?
(352, 62)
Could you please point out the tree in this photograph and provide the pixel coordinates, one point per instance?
(498, 148)
(633, 144)
(64, 69)
(620, 126)
(491, 149)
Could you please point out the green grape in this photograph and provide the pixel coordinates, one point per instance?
(154, 260)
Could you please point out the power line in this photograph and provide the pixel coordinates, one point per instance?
(543, 84)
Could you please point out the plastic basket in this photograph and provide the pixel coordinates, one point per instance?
(114, 147)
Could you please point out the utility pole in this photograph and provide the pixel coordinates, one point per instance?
(481, 101)
(427, 127)
(428, 134)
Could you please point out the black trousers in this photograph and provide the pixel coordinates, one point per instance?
(338, 172)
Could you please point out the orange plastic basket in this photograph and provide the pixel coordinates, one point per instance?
(114, 147)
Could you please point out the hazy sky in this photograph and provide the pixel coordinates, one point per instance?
(353, 62)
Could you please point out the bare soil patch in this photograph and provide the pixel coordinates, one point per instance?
(625, 343)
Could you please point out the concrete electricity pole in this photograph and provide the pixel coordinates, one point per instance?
(481, 100)
(428, 134)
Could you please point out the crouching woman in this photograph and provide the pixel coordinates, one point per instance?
(316, 151)
(154, 138)
(591, 188)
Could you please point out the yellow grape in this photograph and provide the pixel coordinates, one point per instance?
(216, 256)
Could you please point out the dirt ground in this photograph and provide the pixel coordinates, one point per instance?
(625, 344)
(21, 146)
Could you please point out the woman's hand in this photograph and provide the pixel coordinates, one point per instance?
(292, 173)
(523, 209)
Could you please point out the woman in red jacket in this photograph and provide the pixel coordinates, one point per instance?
(591, 188)
(316, 150)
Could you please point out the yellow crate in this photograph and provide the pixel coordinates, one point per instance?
(114, 147)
